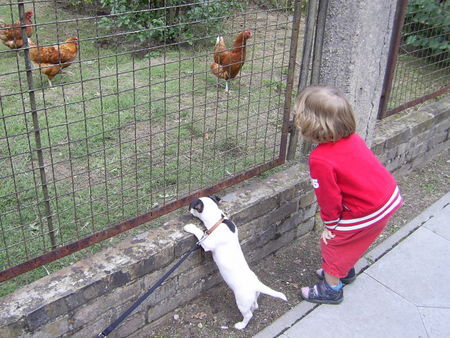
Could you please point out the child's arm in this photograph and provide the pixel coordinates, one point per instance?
(327, 191)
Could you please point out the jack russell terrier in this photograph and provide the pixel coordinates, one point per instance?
(221, 238)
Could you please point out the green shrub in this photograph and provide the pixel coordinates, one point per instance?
(427, 27)
(168, 20)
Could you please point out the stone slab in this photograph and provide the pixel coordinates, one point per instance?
(286, 320)
(436, 321)
(440, 224)
(426, 252)
(369, 310)
(406, 230)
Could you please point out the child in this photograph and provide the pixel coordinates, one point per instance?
(355, 193)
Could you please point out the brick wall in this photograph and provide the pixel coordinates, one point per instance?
(83, 299)
(406, 141)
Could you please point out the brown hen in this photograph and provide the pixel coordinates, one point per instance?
(228, 62)
(52, 60)
(11, 35)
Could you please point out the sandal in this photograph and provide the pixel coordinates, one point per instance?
(322, 293)
(351, 276)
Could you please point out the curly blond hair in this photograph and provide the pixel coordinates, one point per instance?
(323, 114)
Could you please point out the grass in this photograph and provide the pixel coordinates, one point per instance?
(415, 77)
(124, 134)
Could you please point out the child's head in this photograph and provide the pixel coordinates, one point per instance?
(323, 114)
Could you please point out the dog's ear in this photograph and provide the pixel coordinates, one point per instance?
(197, 205)
(215, 198)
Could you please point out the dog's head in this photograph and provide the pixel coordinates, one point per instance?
(208, 211)
(205, 208)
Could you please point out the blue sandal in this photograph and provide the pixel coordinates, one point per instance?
(322, 293)
(351, 276)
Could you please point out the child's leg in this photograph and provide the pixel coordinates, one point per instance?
(350, 278)
(339, 257)
(331, 280)
(346, 248)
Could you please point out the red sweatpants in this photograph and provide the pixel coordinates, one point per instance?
(347, 247)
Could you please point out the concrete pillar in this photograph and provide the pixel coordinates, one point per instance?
(354, 54)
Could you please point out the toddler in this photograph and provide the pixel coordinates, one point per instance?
(355, 193)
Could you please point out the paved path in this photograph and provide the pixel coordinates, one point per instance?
(402, 290)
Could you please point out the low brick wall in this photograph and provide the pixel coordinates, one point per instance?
(81, 300)
(406, 141)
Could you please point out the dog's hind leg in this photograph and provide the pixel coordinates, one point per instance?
(247, 314)
(245, 302)
(255, 303)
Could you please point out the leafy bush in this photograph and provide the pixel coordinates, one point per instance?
(168, 20)
(427, 26)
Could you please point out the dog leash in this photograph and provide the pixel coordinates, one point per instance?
(138, 302)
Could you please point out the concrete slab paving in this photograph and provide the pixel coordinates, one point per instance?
(369, 310)
(417, 269)
(286, 320)
(436, 321)
(440, 224)
(431, 212)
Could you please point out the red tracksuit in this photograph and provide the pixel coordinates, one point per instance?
(356, 197)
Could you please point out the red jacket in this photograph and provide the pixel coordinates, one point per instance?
(353, 188)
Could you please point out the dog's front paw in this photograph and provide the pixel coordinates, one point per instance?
(191, 228)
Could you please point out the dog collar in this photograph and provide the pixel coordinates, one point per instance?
(220, 221)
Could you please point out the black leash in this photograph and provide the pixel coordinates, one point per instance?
(124, 315)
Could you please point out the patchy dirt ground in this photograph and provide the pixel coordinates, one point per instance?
(215, 313)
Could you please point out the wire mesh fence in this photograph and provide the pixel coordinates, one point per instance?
(108, 114)
(420, 62)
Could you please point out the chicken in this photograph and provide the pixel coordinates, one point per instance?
(52, 60)
(228, 62)
(11, 35)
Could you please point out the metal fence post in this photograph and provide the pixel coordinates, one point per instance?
(290, 81)
(37, 134)
(304, 68)
(316, 60)
(318, 41)
(392, 58)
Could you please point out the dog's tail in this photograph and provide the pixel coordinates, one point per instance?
(270, 292)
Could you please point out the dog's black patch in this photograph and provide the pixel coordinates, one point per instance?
(197, 204)
(215, 198)
(230, 224)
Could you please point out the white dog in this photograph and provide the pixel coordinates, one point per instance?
(221, 238)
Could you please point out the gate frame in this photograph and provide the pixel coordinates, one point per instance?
(399, 21)
(119, 227)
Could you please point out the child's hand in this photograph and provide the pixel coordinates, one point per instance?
(326, 235)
